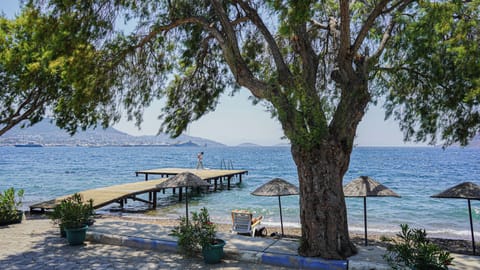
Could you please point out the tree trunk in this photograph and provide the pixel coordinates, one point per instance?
(323, 211)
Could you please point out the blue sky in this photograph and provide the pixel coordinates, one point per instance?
(237, 121)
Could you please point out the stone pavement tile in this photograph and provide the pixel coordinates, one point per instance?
(284, 246)
(369, 257)
(36, 245)
(465, 262)
(245, 243)
(125, 228)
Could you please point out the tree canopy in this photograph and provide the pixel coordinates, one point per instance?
(48, 65)
(317, 65)
(432, 75)
(431, 41)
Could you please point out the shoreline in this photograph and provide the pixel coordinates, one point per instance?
(447, 233)
(459, 246)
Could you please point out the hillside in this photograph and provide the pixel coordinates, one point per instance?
(47, 134)
(475, 142)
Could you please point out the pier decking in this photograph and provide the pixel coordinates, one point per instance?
(106, 195)
(208, 175)
(120, 193)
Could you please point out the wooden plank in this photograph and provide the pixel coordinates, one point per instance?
(106, 195)
(204, 174)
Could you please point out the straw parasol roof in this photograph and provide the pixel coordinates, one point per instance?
(184, 179)
(276, 187)
(466, 190)
(365, 186)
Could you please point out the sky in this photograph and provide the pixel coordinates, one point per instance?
(237, 121)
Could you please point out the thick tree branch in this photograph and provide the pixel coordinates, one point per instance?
(315, 118)
(227, 41)
(285, 75)
(367, 25)
(344, 30)
(307, 54)
(234, 58)
(239, 20)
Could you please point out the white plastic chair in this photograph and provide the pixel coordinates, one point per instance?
(242, 222)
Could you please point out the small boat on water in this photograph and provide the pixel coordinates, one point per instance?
(30, 144)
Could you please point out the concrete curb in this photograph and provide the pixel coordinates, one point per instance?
(284, 260)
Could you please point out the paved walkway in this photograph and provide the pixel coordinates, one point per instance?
(35, 244)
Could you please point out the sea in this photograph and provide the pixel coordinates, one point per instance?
(414, 173)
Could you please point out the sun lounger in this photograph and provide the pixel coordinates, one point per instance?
(244, 223)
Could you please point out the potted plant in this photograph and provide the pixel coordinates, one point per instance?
(9, 206)
(56, 216)
(74, 215)
(200, 233)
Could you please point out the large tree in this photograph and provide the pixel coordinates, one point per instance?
(49, 65)
(310, 62)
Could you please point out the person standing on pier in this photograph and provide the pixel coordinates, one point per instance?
(200, 161)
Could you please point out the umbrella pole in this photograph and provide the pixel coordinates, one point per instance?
(471, 226)
(281, 219)
(186, 204)
(365, 218)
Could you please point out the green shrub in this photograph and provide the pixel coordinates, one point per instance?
(10, 203)
(415, 251)
(200, 232)
(73, 212)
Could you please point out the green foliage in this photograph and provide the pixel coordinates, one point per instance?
(77, 64)
(199, 233)
(415, 251)
(73, 212)
(50, 63)
(310, 62)
(9, 203)
(432, 78)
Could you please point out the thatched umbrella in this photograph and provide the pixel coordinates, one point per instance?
(365, 186)
(184, 179)
(466, 190)
(276, 187)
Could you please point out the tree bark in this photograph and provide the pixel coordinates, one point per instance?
(322, 204)
(321, 165)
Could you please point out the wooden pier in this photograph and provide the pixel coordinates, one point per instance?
(120, 193)
(207, 175)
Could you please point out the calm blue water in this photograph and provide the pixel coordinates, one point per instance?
(414, 173)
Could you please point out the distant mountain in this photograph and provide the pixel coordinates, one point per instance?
(283, 144)
(248, 145)
(475, 142)
(47, 134)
